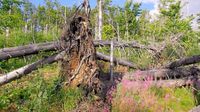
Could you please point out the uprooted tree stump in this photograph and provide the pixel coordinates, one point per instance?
(79, 66)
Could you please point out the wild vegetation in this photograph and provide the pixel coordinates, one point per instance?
(23, 23)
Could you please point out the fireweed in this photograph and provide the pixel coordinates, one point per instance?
(138, 94)
(134, 94)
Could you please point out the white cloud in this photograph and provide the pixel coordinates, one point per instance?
(155, 11)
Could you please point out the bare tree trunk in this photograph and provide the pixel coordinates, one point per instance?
(7, 28)
(118, 33)
(65, 14)
(127, 29)
(111, 60)
(16, 74)
(184, 61)
(13, 52)
(96, 28)
(100, 2)
(167, 73)
(7, 32)
(25, 28)
(46, 29)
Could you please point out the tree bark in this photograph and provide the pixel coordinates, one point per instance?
(13, 52)
(173, 83)
(100, 3)
(79, 66)
(23, 71)
(184, 61)
(166, 73)
(96, 28)
(106, 58)
(7, 53)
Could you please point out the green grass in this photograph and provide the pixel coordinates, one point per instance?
(39, 94)
(175, 99)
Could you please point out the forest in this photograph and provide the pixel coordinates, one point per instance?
(107, 57)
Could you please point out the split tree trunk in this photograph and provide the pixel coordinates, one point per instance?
(100, 3)
(79, 66)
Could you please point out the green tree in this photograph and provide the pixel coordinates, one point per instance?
(10, 14)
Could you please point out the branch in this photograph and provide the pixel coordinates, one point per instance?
(173, 40)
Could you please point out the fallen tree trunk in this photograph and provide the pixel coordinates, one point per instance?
(29, 68)
(104, 57)
(132, 44)
(7, 53)
(23, 71)
(13, 52)
(173, 83)
(166, 73)
(184, 61)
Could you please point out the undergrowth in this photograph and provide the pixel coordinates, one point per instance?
(143, 96)
(40, 93)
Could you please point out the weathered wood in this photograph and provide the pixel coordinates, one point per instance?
(13, 52)
(173, 83)
(23, 71)
(106, 58)
(111, 61)
(166, 73)
(184, 61)
(174, 39)
(132, 44)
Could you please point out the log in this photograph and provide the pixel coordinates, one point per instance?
(106, 58)
(184, 61)
(166, 73)
(173, 83)
(13, 52)
(23, 71)
(132, 44)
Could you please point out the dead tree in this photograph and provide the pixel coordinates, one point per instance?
(79, 66)
(25, 70)
(184, 61)
(13, 52)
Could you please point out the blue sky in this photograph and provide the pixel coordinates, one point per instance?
(147, 6)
